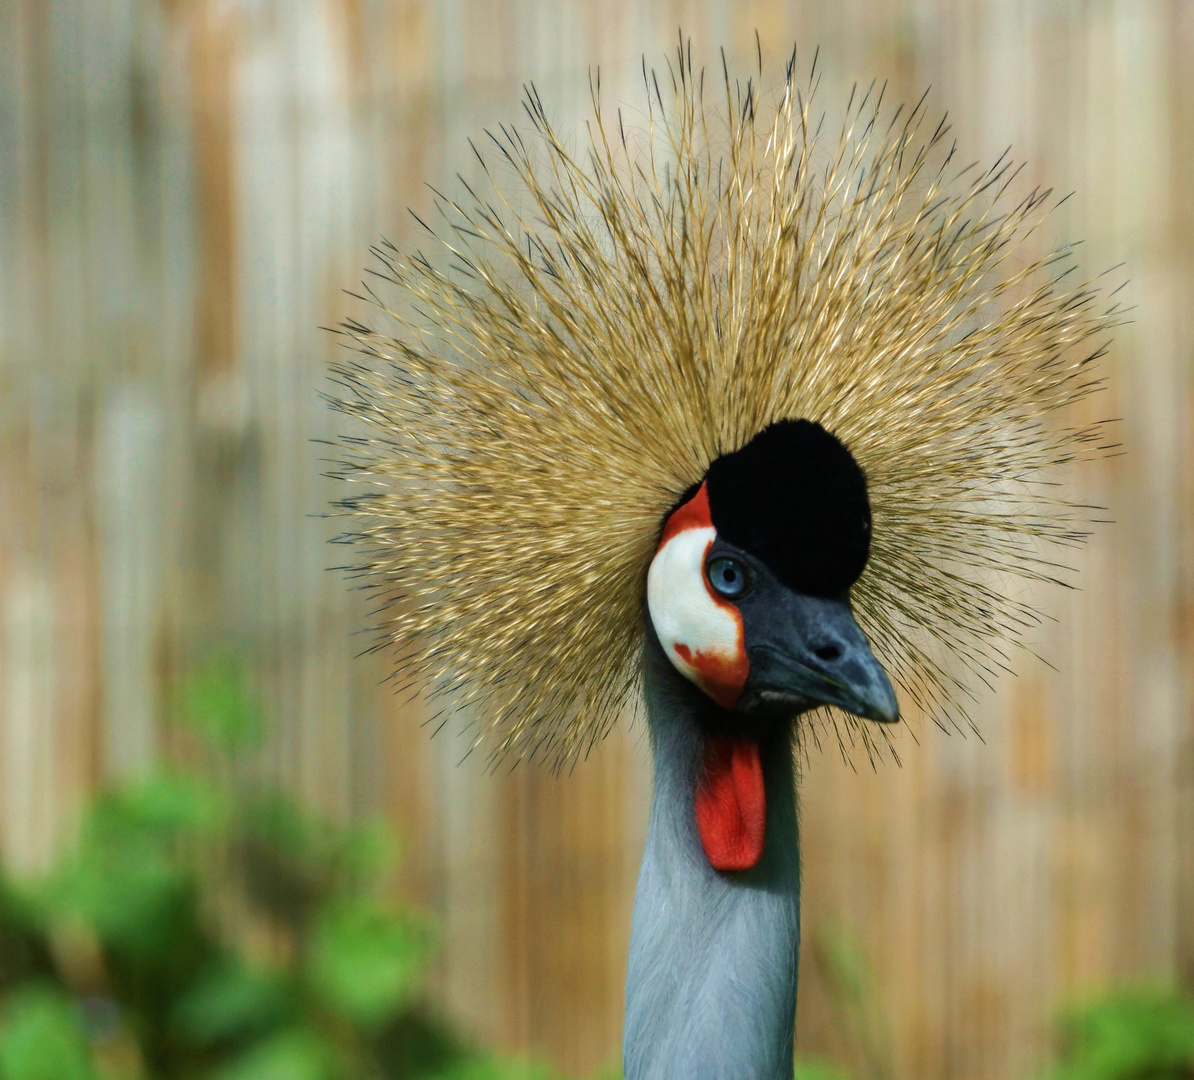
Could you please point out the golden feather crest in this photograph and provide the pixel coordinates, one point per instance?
(590, 332)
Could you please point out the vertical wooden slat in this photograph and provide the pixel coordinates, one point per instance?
(213, 33)
(1180, 34)
(27, 754)
(129, 482)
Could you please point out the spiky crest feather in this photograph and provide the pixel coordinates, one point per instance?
(585, 340)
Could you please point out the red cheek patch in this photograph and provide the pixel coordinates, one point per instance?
(722, 677)
(731, 804)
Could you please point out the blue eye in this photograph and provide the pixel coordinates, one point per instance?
(727, 576)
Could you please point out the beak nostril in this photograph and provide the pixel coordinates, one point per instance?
(828, 653)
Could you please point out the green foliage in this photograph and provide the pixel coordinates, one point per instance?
(126, 881)
(229, 1003)
(365, 961)
(204, 928)
(41, 1037)
(297, 1054)
(1142, 1034)
(810, 1068)
(219, 705)
(490, 1068)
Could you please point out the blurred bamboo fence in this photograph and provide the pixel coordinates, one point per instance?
(185, 188)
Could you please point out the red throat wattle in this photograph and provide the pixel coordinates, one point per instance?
(731, 804)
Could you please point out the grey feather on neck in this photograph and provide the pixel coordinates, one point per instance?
(711, 983)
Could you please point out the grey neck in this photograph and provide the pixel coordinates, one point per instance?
(711, 985)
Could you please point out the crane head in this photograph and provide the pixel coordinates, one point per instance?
(587, 333)
(749, 589)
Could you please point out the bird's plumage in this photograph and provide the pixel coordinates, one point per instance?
(580, 339)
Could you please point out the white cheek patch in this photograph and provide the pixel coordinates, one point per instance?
(700, 632)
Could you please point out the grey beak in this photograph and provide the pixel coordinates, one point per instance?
(810, 652)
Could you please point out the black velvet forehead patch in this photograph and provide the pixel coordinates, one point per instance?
(795, 498)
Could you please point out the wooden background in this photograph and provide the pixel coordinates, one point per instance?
(185, 188)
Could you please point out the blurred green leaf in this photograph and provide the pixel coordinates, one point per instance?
(165, 810)
(370, 853)
(218, 704)
(809, 1068)
(230, 1002)
(126, 880)
(366, 960)
(132, 896)
(1146, 1032)
(492, 1068)
(146, 943)
(41, 1037)
(289, 1055)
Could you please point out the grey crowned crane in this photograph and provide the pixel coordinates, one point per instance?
(734, 417)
